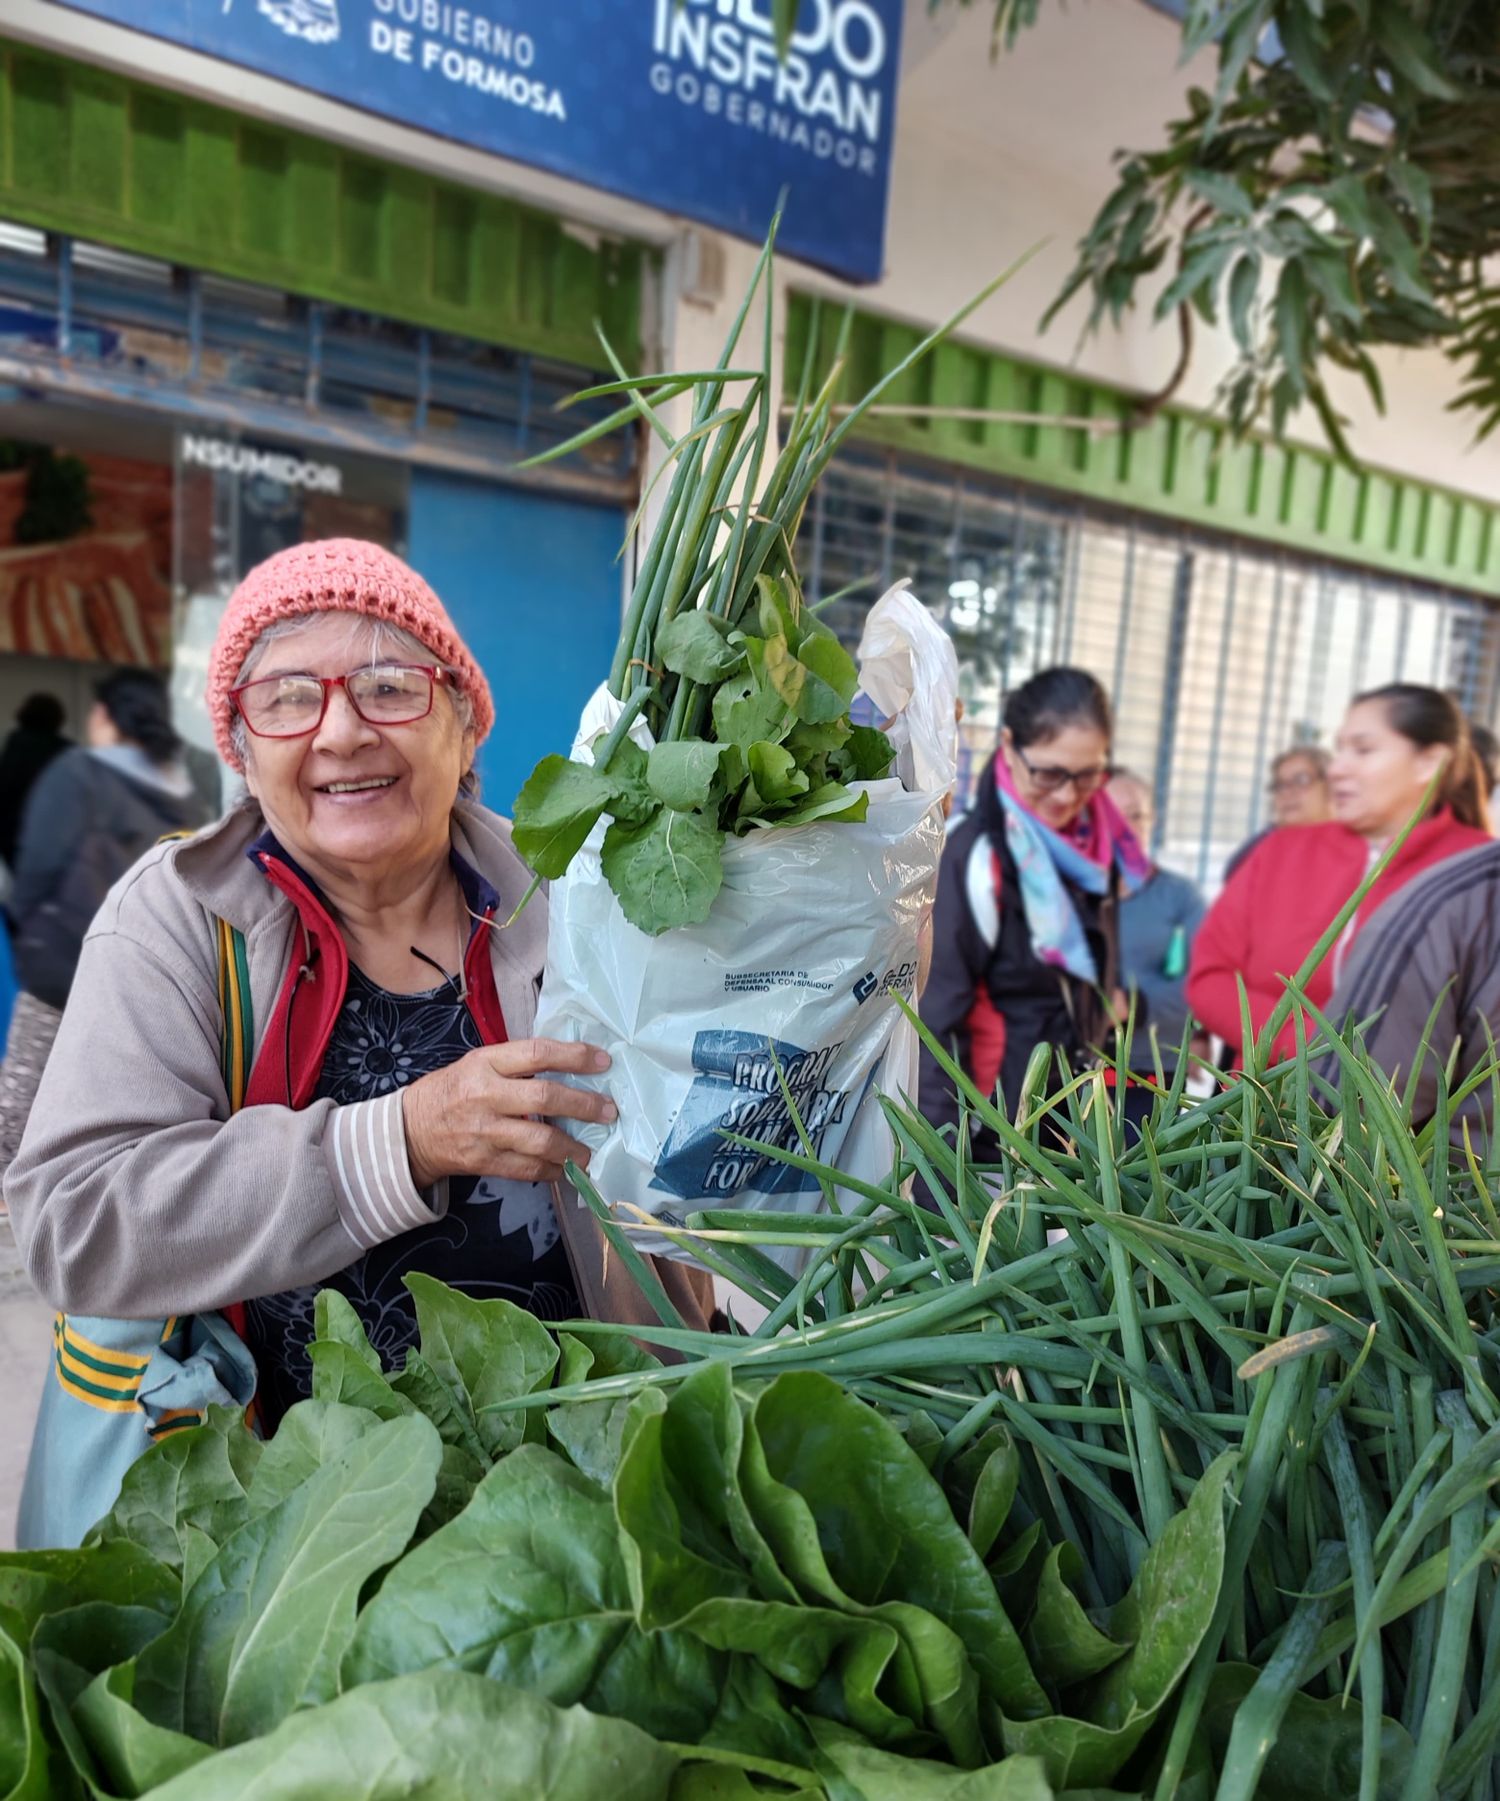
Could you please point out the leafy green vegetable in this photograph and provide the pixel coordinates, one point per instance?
(556, 810)
(696, 644)
(665, 872)
(683, 776)
(25, 1761)
(440, 1735)
(483, 1352)
(526, 1586)
(263, 1629)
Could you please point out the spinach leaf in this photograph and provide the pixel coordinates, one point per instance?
(862, 1773)
(263, 1629)
(438, 1736)
(1064, 1643)
(593, 1432)
(527, 1585)
(817, 681)
(747, 711)
(630, 798)
(36, 1583)
(774, 775)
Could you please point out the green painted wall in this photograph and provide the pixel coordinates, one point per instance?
(1179, 467)
(102, 156)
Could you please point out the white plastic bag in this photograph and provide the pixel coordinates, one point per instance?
(813, 930)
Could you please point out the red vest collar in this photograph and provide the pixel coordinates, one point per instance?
(296, 1037)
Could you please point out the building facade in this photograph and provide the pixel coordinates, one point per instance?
(233, 313)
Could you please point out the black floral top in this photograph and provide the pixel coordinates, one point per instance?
(497, 1237)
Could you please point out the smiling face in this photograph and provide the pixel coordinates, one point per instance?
(353, 800)
(1076, 750)
(1378, 775)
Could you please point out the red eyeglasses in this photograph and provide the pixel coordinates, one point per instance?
(293, 705)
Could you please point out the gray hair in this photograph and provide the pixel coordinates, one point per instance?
(384, 641)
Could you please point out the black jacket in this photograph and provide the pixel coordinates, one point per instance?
(25, 756)
(1036, 1003)
(86, 822)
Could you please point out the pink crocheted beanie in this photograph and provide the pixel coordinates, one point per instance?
(335, 575)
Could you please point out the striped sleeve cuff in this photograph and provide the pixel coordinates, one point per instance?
(378, 1199)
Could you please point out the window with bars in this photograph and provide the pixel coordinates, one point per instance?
(1217, 654)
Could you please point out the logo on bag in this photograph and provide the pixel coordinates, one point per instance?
(738, 1090)
(901, 979)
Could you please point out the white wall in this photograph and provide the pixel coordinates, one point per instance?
(992, 158)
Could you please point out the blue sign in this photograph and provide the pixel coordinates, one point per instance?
(683, 104)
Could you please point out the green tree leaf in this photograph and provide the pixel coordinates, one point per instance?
(556, 810)
(1244, 283)
(264, 1628)
(683, 775)
(441, 1735)
(696, 644)
(528, 1586)
(666, 872)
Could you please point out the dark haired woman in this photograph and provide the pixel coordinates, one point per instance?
(91, 814)
(1024, 932)
(1282, 899)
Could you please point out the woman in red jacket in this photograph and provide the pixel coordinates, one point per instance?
(1285, 895)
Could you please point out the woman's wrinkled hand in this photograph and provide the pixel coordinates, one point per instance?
(488, 1113)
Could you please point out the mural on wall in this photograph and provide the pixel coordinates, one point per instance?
(85, 556)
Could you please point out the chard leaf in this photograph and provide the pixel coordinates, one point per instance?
(666, 872)
(884, 1526)
(696, 644)
(68, 1650)
(264, 1628)
(1163, 1619)
(24, 1757)
(437, 1736)
(1064, 1644)
(683, 775)
(196, 1478)
(34, 1584)
(556, 810)
(593, 1432)
(527, 1586)
(873, 1775)
(774, 774)
(631, 798)
(747, 711)
(482, 1352)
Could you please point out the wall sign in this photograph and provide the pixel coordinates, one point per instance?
(275, 465)
(682, 104)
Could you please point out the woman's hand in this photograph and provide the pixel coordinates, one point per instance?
(486, 1114)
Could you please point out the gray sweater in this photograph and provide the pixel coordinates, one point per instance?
(1161, 908)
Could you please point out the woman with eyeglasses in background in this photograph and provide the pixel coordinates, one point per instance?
(1299, 795)
(1025, 938)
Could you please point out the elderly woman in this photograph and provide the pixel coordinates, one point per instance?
(398, 1117)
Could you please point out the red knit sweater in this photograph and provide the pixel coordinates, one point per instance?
(1281, 900)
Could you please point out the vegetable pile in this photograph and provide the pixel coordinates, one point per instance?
(741, 693)
(1194, 1501)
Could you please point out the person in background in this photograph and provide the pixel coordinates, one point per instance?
(1392, 744)
(1025, 930)
(35, 741)
(1487, 749)
(1299, 796)
(1158, 923)
(1425, 977)
(91, 814)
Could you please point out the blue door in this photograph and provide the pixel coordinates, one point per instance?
(533, 586)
